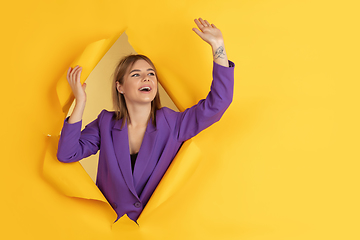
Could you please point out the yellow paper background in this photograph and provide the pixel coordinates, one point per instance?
(281, 164)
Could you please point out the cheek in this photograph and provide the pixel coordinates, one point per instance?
(156, 83)
(156, 88)
(129, 86)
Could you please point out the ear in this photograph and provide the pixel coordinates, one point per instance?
(119, 88)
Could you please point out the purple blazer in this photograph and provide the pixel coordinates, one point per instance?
(129, 192)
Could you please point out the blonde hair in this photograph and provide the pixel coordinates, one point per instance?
(119, 104)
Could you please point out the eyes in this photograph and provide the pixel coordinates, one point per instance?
(137, 74)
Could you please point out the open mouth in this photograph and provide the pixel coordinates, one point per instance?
(145, 89)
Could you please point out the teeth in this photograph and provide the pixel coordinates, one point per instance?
(145, 89)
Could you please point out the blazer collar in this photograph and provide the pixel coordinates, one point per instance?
(122, 153)
(144, 158)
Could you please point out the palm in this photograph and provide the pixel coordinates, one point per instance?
(208, 32)
(73, 77)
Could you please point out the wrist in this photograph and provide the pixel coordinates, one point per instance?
(80, 102)
(216, 44)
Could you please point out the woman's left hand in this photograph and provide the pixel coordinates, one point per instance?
(213, 36)
(209, 33)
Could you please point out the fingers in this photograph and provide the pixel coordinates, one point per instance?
(73, 74)
(77, 74)
(78, 89)
(73, 77)
(198, 23)
(208, 32)
(203, 24)
(199, 33)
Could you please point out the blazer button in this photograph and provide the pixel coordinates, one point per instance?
(114, 205)
(137, 204)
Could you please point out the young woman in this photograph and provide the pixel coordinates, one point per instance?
(138, 141)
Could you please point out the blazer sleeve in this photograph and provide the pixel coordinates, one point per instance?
(75, 144)
(208, 111)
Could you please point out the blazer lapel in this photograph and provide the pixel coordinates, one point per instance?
(122, 152)
(145, 152)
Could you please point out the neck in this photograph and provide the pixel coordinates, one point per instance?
(139, 115)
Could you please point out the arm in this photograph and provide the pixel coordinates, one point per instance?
(75, 144)
(208, 111)
(213, 36)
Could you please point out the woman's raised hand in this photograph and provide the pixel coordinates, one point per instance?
(213, 36)
(208, 32)
(73, 77)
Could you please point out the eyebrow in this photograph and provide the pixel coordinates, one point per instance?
(137, 70)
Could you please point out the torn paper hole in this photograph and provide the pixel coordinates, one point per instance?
(98, 91)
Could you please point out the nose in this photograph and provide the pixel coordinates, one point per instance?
(146, 79)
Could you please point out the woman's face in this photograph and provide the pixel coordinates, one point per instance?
(140, 84)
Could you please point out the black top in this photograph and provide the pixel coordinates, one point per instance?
(133, 160)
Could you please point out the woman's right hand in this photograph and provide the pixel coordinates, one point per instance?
(73, 77)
